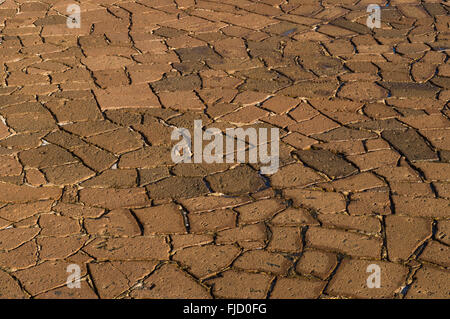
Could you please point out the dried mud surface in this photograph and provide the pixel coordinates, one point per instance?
(86, 176)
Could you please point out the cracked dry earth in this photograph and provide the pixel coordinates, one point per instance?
(87, 177)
